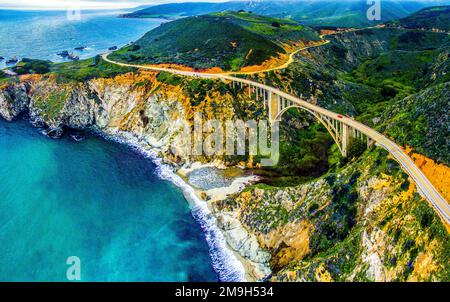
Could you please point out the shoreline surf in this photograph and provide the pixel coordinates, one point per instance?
(228, 265)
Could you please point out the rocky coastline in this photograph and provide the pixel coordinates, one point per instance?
(236, 253)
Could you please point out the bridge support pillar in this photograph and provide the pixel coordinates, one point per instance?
(264, 95)
(274, 108)
(269, 105)
(370, 142)
(346, 137)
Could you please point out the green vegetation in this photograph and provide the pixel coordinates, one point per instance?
(356, 148)
(304, 152)
(87, 69)
(349, 219)
(397, 71)
(394, 75)
(199, 89)
(412, 40)
(422, 121)
(437, 17)
(78, 71)
(337, 226)
(409, 97)
(169, 78)
(228, 40)
(52, 104)
(29, 66)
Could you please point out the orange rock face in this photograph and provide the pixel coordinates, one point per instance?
(324, 32)
(438, 174)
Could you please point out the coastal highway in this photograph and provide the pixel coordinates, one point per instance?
(424, 186)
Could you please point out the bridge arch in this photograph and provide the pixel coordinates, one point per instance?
(332, 129)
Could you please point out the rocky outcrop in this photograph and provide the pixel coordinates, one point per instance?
(13, 101)
(245, 244)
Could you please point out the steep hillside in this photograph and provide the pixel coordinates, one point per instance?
(226, 40)
(422, 122)
(398, 70)
(323, 12)
(428, 18)
(349, 49)
(347, 13)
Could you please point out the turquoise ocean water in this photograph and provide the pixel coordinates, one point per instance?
(97, 200)
(43, 34)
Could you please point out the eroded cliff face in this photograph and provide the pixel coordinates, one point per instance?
(13, 100)
(136, 104)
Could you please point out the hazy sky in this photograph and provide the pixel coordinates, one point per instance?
(63, 4)
(87, 3)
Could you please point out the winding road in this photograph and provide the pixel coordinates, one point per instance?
(425, 187)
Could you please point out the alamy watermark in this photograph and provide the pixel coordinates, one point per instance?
(73, 273)
(374, 10)
(228, 138)
(74, 10)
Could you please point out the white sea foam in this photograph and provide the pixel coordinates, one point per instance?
(224, 261)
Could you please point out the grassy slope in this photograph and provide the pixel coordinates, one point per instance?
(421, 121)
(71, 71)
(226, 40)
(433, 17)
(88, 69)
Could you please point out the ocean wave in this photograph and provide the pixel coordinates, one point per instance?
(224, 261)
